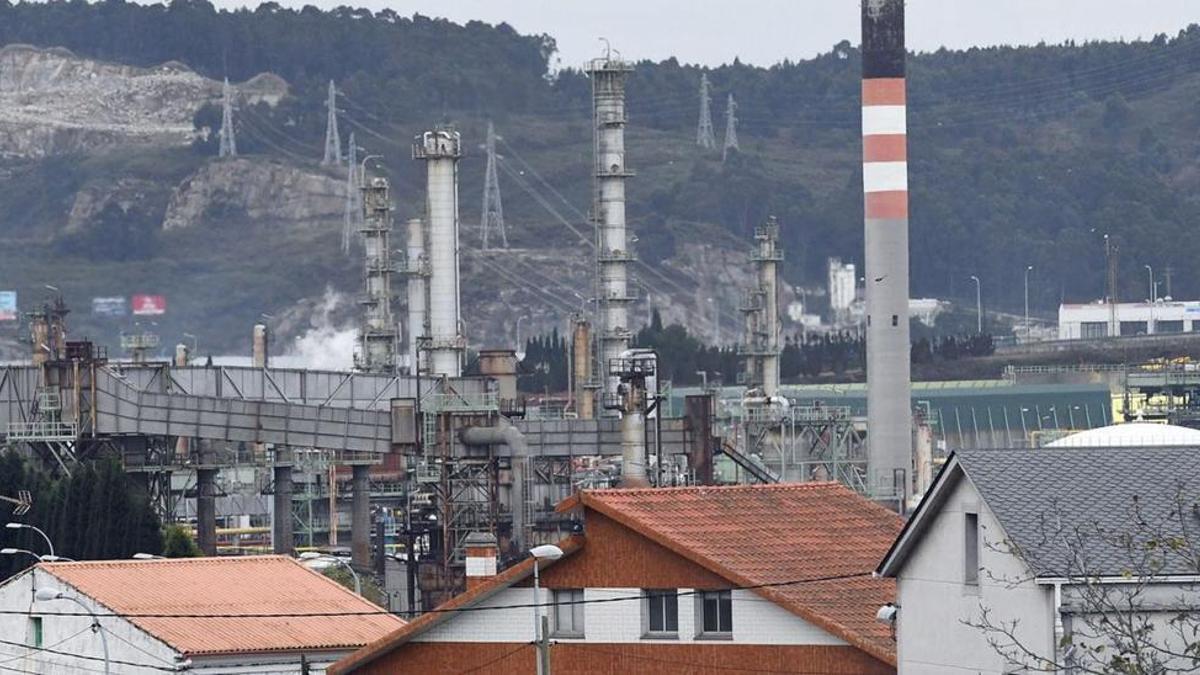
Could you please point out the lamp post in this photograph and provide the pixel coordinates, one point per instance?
(540, 553)
(39, 558)
(978, 305)
(313, 555)
(1028, 269)
(26, 526)
(1150, 271)
(46, 595)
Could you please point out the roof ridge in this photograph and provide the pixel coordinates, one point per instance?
(807, 485)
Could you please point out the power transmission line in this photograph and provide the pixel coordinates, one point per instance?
(731, 139)
(705, 137)
(228, 146)
(492, 214)
(333, 142)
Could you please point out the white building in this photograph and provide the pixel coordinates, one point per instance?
(254, 614)
(1045, 545)
(1100, 319)
(843, 289)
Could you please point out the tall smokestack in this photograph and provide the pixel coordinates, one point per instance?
(417, 271)
(581, 358)
(441, 150)
(885, 199)
(608, 211)
(258, 350)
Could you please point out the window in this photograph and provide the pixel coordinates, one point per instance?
(716, 614)
(661, 609)
(568, 613)
(1168, 326)
(35, 631)
(895, 320)
(1090, 330)
(971, 549)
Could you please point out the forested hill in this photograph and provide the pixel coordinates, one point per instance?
(1019, 156)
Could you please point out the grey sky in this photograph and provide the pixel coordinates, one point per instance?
(764, 32)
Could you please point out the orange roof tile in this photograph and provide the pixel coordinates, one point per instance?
(227, 588)
(767, 534)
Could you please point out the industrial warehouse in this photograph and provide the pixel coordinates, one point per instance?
(871, 464)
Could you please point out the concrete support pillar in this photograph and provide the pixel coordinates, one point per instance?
(360, 518)
(206, 511)
(282, 536)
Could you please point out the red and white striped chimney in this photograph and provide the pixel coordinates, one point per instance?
(885, 202)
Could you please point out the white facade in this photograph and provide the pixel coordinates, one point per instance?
(1098, 319)
(76, 649)
(843, 288)
(935, 600)
(755, 620)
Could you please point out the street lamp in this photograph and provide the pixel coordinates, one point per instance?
(1028, 269)
(27, 526)
(313, 555)
(539, 553)
(1150, 271)
(148, 556)
(46, 595)
(978, 305)
(39, 558)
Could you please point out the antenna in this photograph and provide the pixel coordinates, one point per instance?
(705, 137)
(492, 215)
(333, 142)
(731, 139)
(353, 194)
(228, 146)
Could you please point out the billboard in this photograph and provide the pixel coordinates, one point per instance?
(8, 305)
(149, 305)
(109, 306)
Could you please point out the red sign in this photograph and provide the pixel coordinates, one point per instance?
(149, 305)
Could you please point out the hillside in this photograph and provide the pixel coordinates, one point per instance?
(1019, 156)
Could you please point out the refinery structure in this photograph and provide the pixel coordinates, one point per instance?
(405, 458)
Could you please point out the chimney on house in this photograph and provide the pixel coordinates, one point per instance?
(482, 553)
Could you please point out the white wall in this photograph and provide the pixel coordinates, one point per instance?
(1070, 317)
(934, 601)
(755, 620)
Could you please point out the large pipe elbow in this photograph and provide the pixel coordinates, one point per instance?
(503, 434)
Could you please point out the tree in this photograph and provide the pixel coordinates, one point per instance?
(1122, 611)
(178, 543)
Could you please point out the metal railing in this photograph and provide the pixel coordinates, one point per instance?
(42, 430)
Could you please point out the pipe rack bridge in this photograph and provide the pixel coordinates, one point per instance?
(350, 412)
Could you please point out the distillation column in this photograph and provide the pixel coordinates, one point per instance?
(885, 200)
(441, 150)
(416, 269)
(377, 334)
(608, 211)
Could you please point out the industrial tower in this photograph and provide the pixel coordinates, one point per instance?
(731, 139)
(416, 271)
(705, 137)
(608, 212)
(377, 335)
(441, 149)
(760, 347)
(353, 194)
(228, 147)
(885, 198)
(492, 214)
(333, 142)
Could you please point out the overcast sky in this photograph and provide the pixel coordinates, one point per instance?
(764, 32)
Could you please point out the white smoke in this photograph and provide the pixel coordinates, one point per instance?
(327, 344)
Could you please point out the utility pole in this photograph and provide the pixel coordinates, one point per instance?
(705, 137)
(492, 214)
(1167, 272)
(353, 195)
(333, 142)
(978, 304)
(1110, 264)
(731, 139)
(228, 147)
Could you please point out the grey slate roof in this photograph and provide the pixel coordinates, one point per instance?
(1094, 511)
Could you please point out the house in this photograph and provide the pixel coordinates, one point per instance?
(254, 614)
(1070, 559)
(762, 578)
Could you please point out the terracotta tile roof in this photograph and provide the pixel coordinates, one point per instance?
(228, 587)
(767, 534)
(446, 610)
